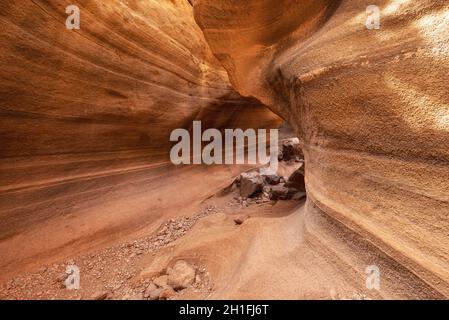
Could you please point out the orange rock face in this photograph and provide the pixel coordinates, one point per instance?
(370, 107)
(86, 117)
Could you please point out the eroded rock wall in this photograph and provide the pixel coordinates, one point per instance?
(85, 119)
(371, 108)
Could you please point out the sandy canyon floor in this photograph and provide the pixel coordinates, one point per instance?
(239, 250)
(86, 117)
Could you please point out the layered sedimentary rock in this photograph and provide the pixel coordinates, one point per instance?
(86, 115)
(371, 108)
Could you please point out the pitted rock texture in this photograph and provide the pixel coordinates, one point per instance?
(85, 117)
(369, 106)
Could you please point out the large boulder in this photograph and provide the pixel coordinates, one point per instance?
(272, 179)
(181, 276)
(152, 292)
(281, 192)
(251, 183)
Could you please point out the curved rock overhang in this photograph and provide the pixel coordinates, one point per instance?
(86, 116)
(370, 107)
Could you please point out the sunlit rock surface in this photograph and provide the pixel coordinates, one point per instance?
(371, 108)
(85, 120)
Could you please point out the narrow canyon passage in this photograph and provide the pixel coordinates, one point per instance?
(85, 123)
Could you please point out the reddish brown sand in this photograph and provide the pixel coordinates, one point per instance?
(282, 250)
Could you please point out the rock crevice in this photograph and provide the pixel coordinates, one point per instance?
(369, 107)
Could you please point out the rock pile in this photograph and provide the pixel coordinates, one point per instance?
(177, 278)
(290, 150)
(259, 188)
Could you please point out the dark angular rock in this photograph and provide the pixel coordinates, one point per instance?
(251, 183)
(296, 180)
(272, 179)
(281, 192)
(291, 150)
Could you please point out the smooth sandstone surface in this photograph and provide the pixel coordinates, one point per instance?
(85, 120)
(371, 108)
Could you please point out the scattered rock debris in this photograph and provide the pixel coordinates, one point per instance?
(110, 273)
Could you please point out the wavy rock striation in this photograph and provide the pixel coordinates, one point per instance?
(371, 108)
(85, 119)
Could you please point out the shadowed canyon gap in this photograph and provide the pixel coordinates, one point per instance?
(371, 108)
(86, 117)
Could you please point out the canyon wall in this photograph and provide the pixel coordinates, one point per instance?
(85, 120)
(371, 108)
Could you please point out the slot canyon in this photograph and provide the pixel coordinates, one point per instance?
(86, 178)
